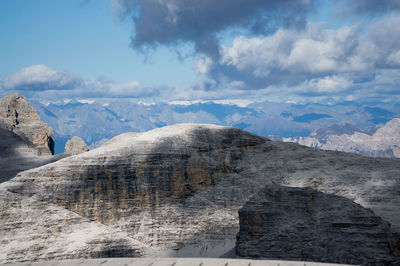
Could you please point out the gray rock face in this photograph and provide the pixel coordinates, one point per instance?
(75, 146)
(304, 224)
(18, 116)
(173, 191)
(17, 154)
(385, 142)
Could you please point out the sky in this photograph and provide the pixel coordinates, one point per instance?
(190, 50)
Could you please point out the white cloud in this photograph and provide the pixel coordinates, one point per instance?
(313, 51)
(327, 84)
(40, 77)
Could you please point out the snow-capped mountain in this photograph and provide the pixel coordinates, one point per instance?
(384, 142)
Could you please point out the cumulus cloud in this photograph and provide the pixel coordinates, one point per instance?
(168, 22)
(41, 77)
(315, 50)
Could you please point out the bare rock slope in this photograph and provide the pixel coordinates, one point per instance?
(297, 223)
(18, 116)
(173, 191)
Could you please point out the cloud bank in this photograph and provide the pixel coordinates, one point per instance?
(316, 51)
(278, 52)
(44, 82)
(316, 61)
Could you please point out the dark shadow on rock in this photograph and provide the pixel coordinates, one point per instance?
(304, 224)
(18, 154)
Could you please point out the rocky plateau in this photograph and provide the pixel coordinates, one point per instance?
(176, 191)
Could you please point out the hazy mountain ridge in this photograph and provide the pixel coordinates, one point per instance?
(384, 142)
(101, 119)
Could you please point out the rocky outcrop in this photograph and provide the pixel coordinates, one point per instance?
(75, 146)
(385, 142)
(304, 224)
(173, 191)
(18, 116)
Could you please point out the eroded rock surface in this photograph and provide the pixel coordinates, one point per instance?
(18, 116)
(75, 146)
(304, 224)
(176, 191)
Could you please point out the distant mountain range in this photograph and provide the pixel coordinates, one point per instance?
(384, 142)
(95, 121)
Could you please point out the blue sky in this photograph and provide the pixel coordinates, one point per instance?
(85, 38)
(167, 50)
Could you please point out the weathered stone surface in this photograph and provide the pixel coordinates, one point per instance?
(18, 116)
(304, 224)
(176, 191)
(75, 146)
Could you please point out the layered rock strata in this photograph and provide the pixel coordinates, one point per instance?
(304, 224)
(18, 116)
(75, 146)
(176, 191)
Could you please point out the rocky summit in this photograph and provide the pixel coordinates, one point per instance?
(18, 116)
(173, 191)
(295, 223)
(75, 146)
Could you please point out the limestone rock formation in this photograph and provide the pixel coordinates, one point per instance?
(385, 142)
(173, 191)
(18, 116)
(75, 146)
(304, 224)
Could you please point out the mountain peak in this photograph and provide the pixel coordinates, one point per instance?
(18, 116)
